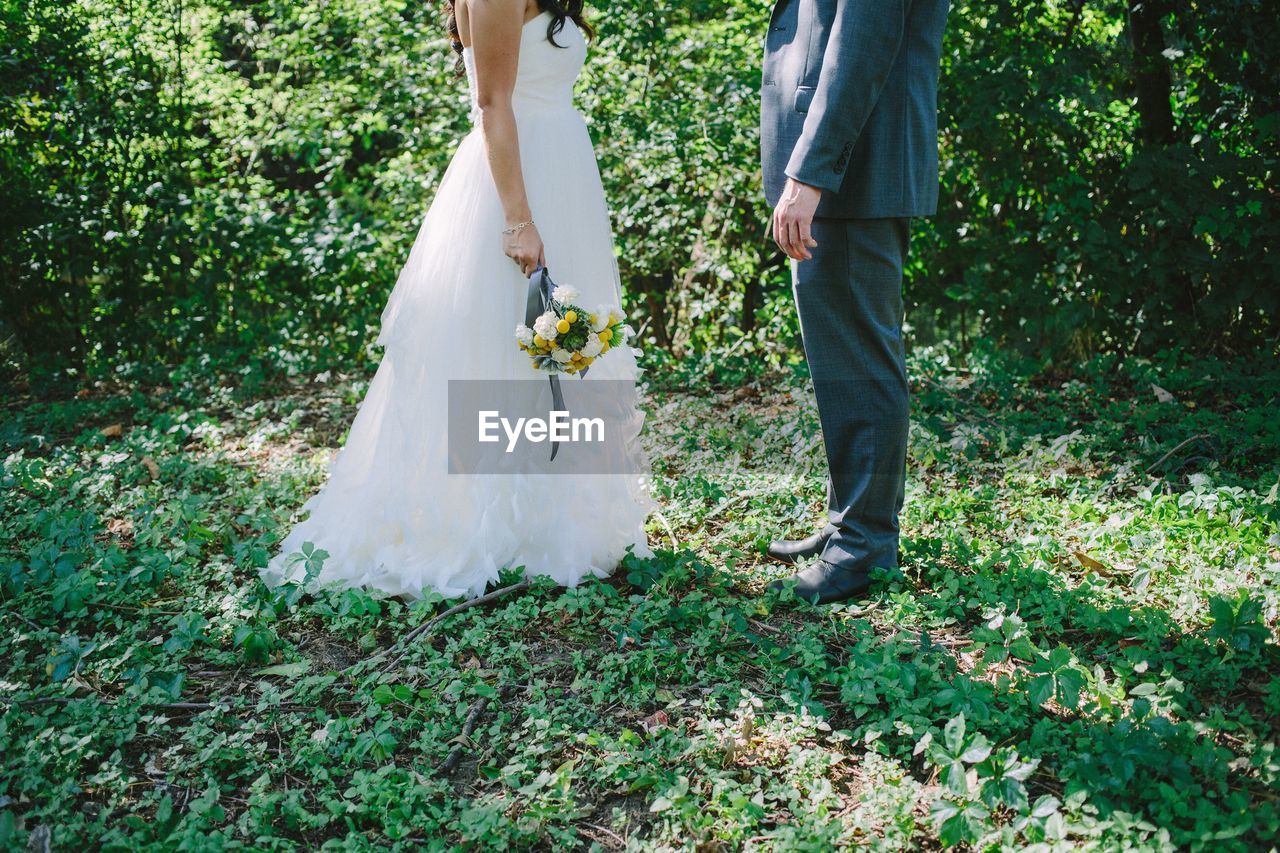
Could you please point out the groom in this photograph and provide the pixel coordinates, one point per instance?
(850, 153)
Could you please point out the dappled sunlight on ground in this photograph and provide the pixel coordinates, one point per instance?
(1080, 642)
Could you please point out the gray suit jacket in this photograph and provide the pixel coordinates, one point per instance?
(850, 104)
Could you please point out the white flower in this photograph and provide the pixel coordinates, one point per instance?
(602, 318)
(592, 347)
(564, 294)
(627, 332)
(561, 355)
(524, 334)
(546, 326)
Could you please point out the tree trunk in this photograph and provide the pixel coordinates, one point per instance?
(1171, 240)
(1152, 78)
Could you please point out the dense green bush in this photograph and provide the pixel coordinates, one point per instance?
(1106, 190)
(255, 174)
(192, 176)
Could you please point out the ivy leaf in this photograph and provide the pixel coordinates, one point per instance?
(1057, 675)
(1045, 806)
(978, 750)
(955, 753)
(1041, 689)
(962, 825)
(288, 670)
(1237, 623)
(1070, 683)
(953, 734)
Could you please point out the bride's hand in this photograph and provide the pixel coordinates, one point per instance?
(524, 246)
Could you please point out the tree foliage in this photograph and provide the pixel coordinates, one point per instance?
(192, 176)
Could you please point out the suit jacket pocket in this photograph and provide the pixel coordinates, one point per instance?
(804, 94)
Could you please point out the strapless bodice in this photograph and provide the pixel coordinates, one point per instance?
(546, 72)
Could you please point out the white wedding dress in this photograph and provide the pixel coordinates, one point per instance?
(391, 517)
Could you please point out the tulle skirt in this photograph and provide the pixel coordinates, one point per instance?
(391, 516)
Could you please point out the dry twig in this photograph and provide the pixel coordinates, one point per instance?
(454, 757)
(1165, 458)
(431, 623)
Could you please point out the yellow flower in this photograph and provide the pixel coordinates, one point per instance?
(606, 335)
(577, 356)
(539, 341)
(588, 361)
(572, 316)
(562, 326)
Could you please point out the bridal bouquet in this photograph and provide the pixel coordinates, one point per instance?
(566, 338)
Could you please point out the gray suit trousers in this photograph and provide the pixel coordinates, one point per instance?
(850, 301)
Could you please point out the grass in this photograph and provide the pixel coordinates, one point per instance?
(1079, 650)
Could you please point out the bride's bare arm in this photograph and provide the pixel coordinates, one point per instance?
(495, 28)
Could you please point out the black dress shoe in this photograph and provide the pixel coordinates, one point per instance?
(825, 583)
(792, 551)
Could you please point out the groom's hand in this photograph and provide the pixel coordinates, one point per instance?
(793, 219)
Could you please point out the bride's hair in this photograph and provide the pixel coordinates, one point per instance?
(559, 9)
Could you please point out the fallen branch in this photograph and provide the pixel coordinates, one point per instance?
(734, 501)
(66, 700)
(670, 533)
(454, 757)
(621, 842)
(1181, 445)
(431, 623)
(35, 626)
(764, 628)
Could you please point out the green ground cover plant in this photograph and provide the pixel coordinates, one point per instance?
(1079, 649)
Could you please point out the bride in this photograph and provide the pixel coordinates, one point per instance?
(523, 190)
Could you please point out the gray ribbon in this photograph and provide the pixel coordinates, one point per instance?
(537, 301)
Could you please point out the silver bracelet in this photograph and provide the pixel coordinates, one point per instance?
(519, 226)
